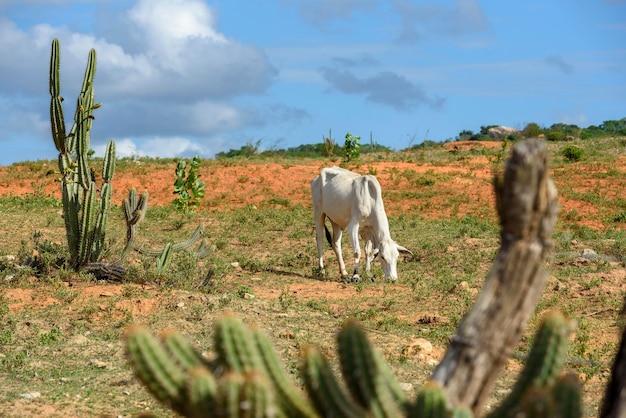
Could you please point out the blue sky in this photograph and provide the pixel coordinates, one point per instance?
(184, 77)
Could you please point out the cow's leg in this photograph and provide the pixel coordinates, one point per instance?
(337, 233)
(319, 238)
(369, 258)
(353, 229)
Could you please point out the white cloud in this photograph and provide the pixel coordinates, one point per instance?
(164, 147)
(166, 75)
(168, 25)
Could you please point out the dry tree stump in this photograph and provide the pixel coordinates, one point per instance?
(526, 201)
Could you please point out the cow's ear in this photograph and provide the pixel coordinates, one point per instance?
(375, 253)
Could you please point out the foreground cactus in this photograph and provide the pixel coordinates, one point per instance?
(85, 215)
(246, 376)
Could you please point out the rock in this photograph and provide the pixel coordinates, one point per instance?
(461, 287)
(417, 347)
(99, 364)
(501, 132)
(588, 253)
(30, 395)
(248, 296)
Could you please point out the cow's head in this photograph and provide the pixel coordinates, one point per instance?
(388, 252)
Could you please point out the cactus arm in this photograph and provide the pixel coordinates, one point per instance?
(108, 167)
(290, 399)
(164, 259)
(567, 397)
(134, 213)
(204, 249)
(70, 215)
(361, 370)
(202, 393)
(183, 245)
(181, 349)
(228, 395)
(56, 108)
(87, 225)
(82, 144)
(58, 125)
(256, 397)
(108, 170)
(90, 70)
(545, 362)
(431, 402)
(155, 369)
(195, 236)
(55, 63)
(101, 222)
(462, 411)
(325, 392)
(234, 345)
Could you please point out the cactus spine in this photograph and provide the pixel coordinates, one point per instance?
(85, 218)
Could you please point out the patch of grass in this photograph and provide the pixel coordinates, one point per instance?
(243, 291)
(51, 337)
(280, 201)
(320, 305)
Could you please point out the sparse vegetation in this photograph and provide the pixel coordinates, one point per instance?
(351, 148)
(188, 186)
(267, 247)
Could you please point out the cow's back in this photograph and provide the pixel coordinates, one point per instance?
(340, 194)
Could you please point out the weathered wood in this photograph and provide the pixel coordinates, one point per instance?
(110, 272)
(527, 205)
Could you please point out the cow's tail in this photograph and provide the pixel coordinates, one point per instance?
(329, 237)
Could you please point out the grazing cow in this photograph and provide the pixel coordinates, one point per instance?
(354, 201)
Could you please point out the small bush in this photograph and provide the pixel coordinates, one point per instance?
(555, 135)
(351, 147)
(532, 130)
(573, 153)
(187, 186)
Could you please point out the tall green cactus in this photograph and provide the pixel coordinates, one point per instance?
(85, 215)
(247, 373)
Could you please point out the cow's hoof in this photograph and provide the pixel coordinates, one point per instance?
(356, 278)
(372, 279)
(346, 279)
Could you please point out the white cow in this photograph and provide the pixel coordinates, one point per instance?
(354, 201)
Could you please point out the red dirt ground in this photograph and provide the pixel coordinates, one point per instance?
(254, 183)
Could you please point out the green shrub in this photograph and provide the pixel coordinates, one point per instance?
(573, 153)
(351, 147)
(532, 130)
(187, 186)
(555, 135)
